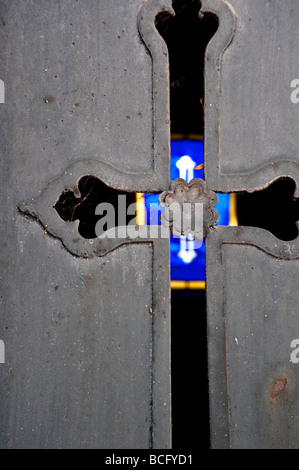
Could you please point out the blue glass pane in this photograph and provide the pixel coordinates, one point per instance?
(187, 257)
(183, 268)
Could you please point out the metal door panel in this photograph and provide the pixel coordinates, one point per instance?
(251, 126)
(86, 331)
(251, 139)
(252, 287)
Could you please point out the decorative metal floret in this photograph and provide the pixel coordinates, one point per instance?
(189, 208)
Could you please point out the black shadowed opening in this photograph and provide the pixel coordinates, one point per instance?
(273, 209)
(187, 36)
(92, 192)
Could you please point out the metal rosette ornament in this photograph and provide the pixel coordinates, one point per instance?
(189, 208)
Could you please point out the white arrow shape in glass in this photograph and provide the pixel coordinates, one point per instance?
(186, 166)
(187, 252)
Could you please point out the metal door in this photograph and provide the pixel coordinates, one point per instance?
(85, 323)
(252, 139)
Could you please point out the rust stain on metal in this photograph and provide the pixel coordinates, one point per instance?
(278, 387)
(48, 99)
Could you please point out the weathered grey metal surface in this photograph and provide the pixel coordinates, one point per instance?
(101, 85)
(252, 289)
(87, 340)
(251, 124)
(251, 139)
